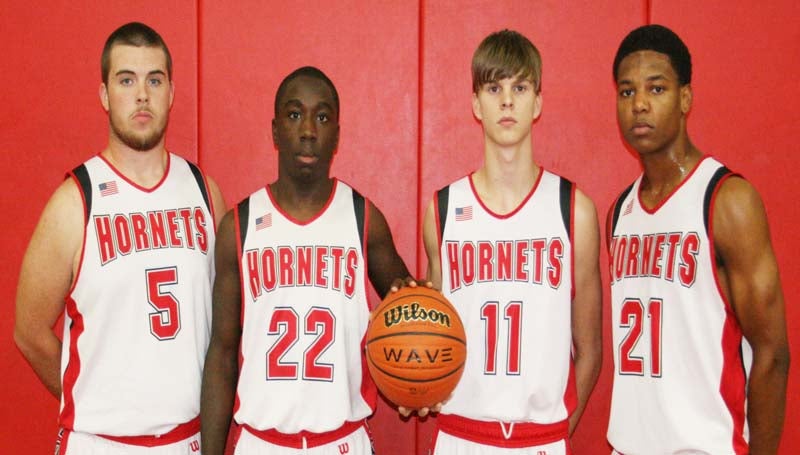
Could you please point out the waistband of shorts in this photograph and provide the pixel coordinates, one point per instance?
(503, 434)
(179, 433)
(295, 440)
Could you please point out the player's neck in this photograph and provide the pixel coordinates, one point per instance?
(664, 170)
(144, 167)
(302, 200)
(506, 178)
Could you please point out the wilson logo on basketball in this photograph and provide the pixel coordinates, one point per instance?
(414, 312)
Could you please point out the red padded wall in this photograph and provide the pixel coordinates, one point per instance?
(370, 52)
(745, 113)
(52, 120)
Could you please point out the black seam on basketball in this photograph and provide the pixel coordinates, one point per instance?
(454, 371)
(395, 334)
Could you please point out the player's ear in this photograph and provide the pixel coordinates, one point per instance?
(686, 98)
(476, 106)
(171, 92)
(537, 105)
(103, 92)
(274, 133)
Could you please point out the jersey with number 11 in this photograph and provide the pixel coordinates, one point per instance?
(510, 278)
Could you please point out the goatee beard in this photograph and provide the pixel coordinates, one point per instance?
(137, 142)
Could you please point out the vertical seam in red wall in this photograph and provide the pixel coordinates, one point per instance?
(199, 59)
(420, 204)
(648, 12)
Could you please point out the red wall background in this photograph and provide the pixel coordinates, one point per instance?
(402, 71)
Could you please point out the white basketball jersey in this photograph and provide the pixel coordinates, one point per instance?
(510, 277)
(304, 315)
(138, 317)
(679, 382)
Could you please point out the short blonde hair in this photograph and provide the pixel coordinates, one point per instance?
(506, 54)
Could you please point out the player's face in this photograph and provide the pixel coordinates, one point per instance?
(138, 96)
(651, 103)
(306, 129)
(507, 109)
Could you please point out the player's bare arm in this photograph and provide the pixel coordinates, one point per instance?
(749, 274)
(587, 303)
(45, 279)
(222, 368)
(217, 201)
(434, 276)
(386, 268)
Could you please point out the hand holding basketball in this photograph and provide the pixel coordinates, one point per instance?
(415, 347)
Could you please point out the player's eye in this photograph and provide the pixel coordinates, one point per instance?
(493, 88)
(626, 93)
(520, 88)
(126, 81)
(657, 89)
(155, 82)
(323, 117)
(294, 115)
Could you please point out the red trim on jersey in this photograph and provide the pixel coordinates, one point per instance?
(732, 380)
(177, 434)
(313, 218)
(522, 434)
(518, 208)
(295, 440)
(134, 184)
(369, 392)
(67, 417)
(672, 193)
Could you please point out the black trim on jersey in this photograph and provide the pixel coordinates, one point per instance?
(712, 186)
(243, 210)
(201, 183)
(359, 205)
(565, 198)
(617, 208)
(442, 196)
(82, 175)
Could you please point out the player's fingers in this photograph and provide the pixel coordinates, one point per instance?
(405, 412)
(422, 412)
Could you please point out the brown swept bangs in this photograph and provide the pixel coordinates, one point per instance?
(506, 54)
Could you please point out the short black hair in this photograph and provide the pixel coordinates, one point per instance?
(312, 72)
(659, 39)
(132, 34)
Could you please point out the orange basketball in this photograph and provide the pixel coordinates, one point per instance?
(416, 347)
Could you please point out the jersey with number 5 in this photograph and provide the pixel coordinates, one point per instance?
(304, 315)
(510, 277)
(137, 320)
(679, 382)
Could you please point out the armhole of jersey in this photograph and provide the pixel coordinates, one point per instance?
(360, 207)
(617, 208)
(566, 189)
(713, 184)
(201, 183)
(242, 218)
(81, 175)
(442, 196)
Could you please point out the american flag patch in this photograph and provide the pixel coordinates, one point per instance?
(264, 221)
(628, 208)
(464, 213)
(108, 188)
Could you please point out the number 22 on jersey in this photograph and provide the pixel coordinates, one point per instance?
(632, 315)
(286, 324)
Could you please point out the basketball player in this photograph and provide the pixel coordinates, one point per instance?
(515, 248)
(124, 250)
(290, 300)
(692, 270)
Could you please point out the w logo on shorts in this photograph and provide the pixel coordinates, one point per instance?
(344, 448)
(195, 445)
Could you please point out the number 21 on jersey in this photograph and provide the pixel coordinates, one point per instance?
(632, 317)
